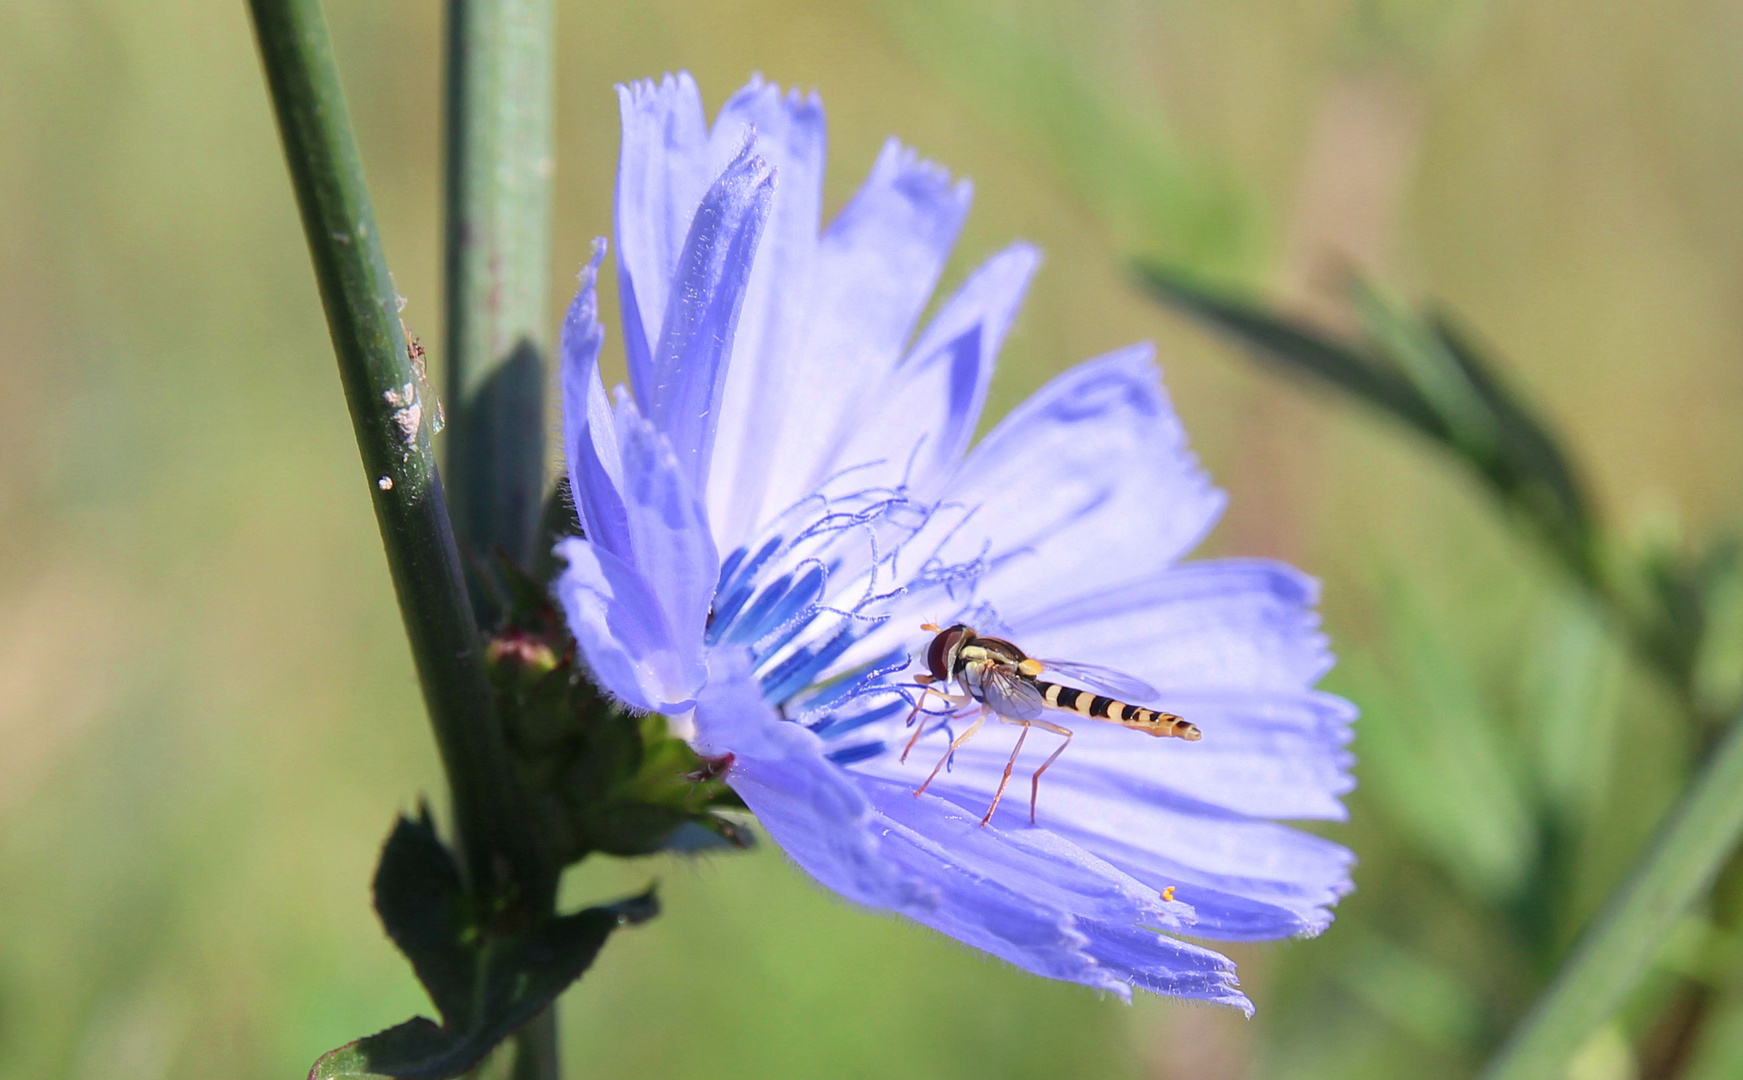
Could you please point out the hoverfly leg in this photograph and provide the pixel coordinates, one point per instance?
(958, 741)
(1035, 783)
(955, 702)
(1006, 779)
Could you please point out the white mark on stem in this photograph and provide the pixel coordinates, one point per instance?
(408, 411)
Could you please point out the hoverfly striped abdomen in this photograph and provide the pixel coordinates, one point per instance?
(1099, 707)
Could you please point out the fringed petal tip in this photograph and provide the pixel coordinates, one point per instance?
(760, 97)
(922, 179)
(671, 90)
(581, 326)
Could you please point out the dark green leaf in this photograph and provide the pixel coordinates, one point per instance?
(1526, 440)
(421, 901)
(1298, 348)
(516, 974)
(1425, 374)
(1422, 357)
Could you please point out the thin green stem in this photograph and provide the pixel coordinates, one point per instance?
(499, 164)
(391, 417)
(1680, 865)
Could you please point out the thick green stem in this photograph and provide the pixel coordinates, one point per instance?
(391, 416)
(1679, 867)
(499, 165)
(500, 90)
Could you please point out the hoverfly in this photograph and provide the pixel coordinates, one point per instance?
(1004, 681)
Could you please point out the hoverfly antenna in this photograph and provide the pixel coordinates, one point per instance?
(929, 628)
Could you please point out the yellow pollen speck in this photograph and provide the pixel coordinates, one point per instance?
(1168, 895)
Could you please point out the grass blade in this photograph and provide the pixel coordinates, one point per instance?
(1679, 865)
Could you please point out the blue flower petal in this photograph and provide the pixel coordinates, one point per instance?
(664, 167)
(990, 915)
(877, 264)
(1272, 755)
(920, 422)
(809, 805)
(622, 636)
(1239, 624)
(1045, 867)
(1257, 879)
(1031, 898)
(673, 550)
(790, 135)
(681, 392)
(589, 433)
(1260, 879)
(1162, 965)
(1084, 487)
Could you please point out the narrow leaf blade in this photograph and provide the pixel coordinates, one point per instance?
(1679, 865)
(1297, 347)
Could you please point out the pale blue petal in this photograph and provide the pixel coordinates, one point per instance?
(877, 265)
(1048, 869)
(920, 422)
(688, 373)
(1239, 624)
(1084, 487)
(809, 805)
(673, 549)
(1259, 879)
(1246, 879)
(589, 433)
(1162, 965)
(1044, 904)
(622, 636)
(989, 914)
(790, 135)
(662, 171)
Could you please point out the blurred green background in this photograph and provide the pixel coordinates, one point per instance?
(207, 714)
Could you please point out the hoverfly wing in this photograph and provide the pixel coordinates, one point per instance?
(1009, 694)
(1116, 683)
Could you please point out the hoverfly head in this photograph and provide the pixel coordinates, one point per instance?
(941, 654)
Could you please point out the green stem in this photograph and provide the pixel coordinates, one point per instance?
(499, 165)
(500, 89)
(537, 1055)
(391, 417)
(1681, 862)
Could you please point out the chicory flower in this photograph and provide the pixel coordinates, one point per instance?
(788, 491)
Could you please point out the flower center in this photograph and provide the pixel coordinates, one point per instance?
(820, 595)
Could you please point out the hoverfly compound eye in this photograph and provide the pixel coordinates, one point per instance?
(941, 654)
